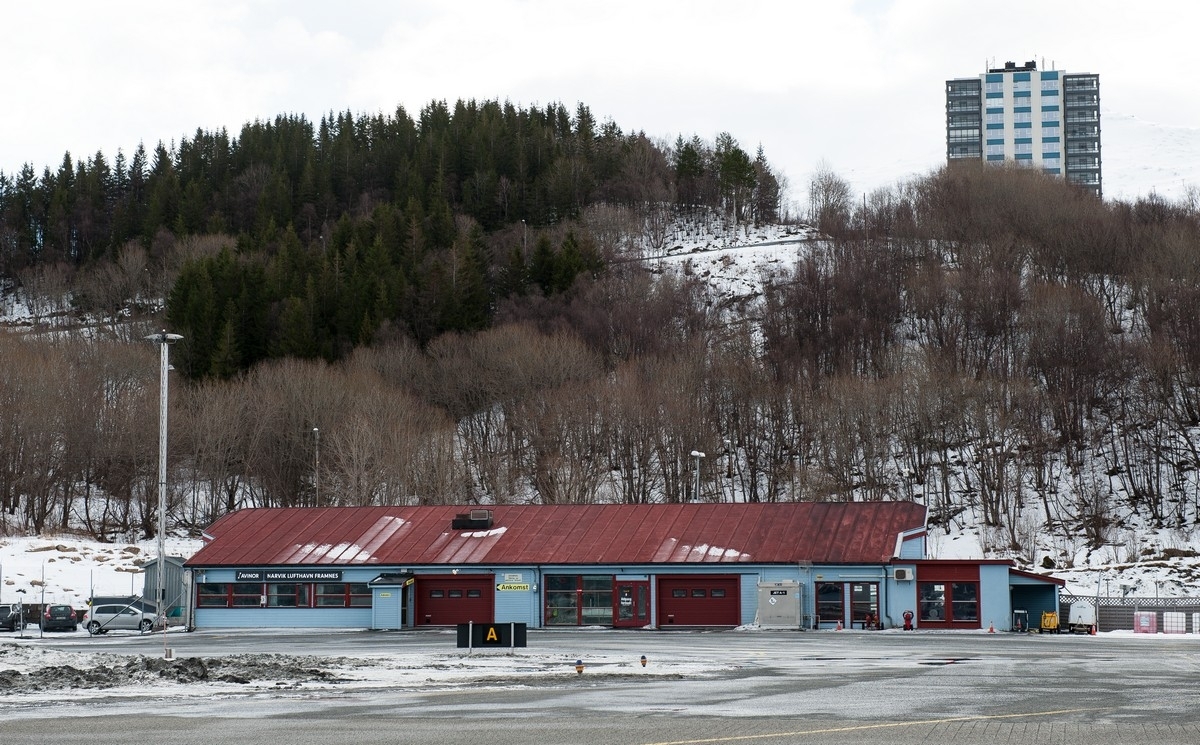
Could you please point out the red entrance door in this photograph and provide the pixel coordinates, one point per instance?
(631, 603)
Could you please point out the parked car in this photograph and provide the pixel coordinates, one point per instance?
(10, 617)
(60, 618)
(137, 601)
(103, 618)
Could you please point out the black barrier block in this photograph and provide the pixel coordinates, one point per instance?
(491, 635)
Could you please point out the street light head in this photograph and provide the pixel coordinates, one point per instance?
(163, 338)
(697, 454)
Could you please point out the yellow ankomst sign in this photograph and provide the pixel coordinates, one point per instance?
(492, 636)
(512, 586)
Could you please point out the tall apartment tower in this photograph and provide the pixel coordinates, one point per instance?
(1047, 119)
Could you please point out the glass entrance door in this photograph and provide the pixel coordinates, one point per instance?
(631, 603)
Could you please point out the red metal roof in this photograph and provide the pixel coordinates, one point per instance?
(825, 533)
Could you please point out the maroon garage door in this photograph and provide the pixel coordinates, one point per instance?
(449, 600)
(700, 600)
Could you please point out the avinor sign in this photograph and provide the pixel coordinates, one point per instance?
(288, 575)
(471, 635)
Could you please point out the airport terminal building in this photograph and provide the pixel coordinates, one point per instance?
(791, 565)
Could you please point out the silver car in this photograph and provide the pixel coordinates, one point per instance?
(103, 618)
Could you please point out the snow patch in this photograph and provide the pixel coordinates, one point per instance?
(317, 552)
(484, 533)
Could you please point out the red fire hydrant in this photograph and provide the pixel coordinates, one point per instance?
(908, 617)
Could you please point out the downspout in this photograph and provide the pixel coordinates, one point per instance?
(539, 587)
(883, 595)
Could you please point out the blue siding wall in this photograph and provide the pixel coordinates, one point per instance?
(913, 548)
(284, 618)
(749, 592)
(299, 618)
(525, 606)
(518, 606)
(901, 596)
(995, 604)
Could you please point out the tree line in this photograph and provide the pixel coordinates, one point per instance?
(336, 232)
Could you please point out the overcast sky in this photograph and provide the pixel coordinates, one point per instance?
(856, 85)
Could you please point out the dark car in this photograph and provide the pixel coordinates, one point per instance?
(10, 617)
(60, 618)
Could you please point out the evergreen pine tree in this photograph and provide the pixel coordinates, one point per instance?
(542, 265)
(513, 275)
(226, 360)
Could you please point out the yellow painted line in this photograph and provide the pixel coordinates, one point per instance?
(887, 725)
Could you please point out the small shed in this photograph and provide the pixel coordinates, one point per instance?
(389, 600)
(175, 582)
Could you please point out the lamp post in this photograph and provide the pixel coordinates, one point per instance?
(696, 490)
(163, 340)
(316, 467)
(728, 471)
(21, 618)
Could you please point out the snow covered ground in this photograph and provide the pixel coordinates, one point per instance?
(66, 569)
(42, 668)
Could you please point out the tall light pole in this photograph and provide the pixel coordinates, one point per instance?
(21, 620)
(163, 340)
(696, 492)
(316, 467)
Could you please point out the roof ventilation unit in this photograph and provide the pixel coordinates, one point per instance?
(474, 520)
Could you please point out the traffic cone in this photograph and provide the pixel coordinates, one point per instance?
(839, 626)
(991, 628)
(1093, 629)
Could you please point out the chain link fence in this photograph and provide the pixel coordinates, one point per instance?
(1116, 613)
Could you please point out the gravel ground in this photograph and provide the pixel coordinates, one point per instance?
(22, 672)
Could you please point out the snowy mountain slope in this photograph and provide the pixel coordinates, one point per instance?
(733, 262)
(1139, 158)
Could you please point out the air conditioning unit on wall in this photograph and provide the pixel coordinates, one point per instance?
(903, 575)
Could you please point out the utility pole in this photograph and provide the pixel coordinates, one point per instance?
(164, 341)
(316, 467)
